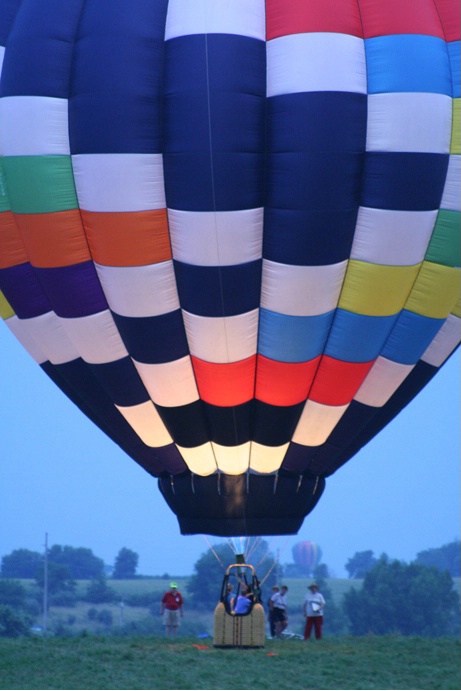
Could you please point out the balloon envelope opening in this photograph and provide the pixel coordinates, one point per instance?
(228, 505)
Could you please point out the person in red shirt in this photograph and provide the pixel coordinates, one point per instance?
(172, 608)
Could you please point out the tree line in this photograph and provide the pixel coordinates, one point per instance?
(392, 597)
(67, 563)
(445, 558)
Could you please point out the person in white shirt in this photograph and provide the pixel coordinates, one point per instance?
(279, 610)
(313, 611)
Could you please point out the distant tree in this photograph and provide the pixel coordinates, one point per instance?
(104, 616)
(408, 599)
(12, 593)
(358, 565)
(98, 591)
(445, 557)
(14, 623)
(298, 571)
(205, 584)
(293, 571)
(321, 572)
(80, 561)
(63, 598)
(21, 563)
(59, 578)
(126, 564)
(92, 613)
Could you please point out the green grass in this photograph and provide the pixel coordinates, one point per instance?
(155, 663)
(92, 658)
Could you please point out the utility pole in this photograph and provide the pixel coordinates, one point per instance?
(45, 587)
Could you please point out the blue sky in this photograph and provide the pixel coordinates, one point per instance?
(60, 475)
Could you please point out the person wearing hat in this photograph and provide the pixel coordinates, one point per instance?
(171, 608)
(313, 611)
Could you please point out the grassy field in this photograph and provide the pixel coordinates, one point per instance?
(131, 653)
(74, 620)
(71, 621)
(90, 662)
(138, 586)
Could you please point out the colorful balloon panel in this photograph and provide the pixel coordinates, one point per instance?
(229, 232)
(307, 555)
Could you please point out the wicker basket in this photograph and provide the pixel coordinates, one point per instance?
(239, 631)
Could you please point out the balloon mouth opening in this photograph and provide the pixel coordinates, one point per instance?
(229, 505)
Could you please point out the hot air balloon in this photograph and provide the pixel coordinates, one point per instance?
(307, 555)
(229, 232)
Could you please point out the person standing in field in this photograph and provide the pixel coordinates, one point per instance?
(275, 590)
(313, 611)
(172, 608)
(280, 611)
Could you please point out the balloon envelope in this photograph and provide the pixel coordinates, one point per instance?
(229, 232)
(307, 555)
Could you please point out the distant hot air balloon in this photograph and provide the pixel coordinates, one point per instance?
(307, 556)
(229, 232)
